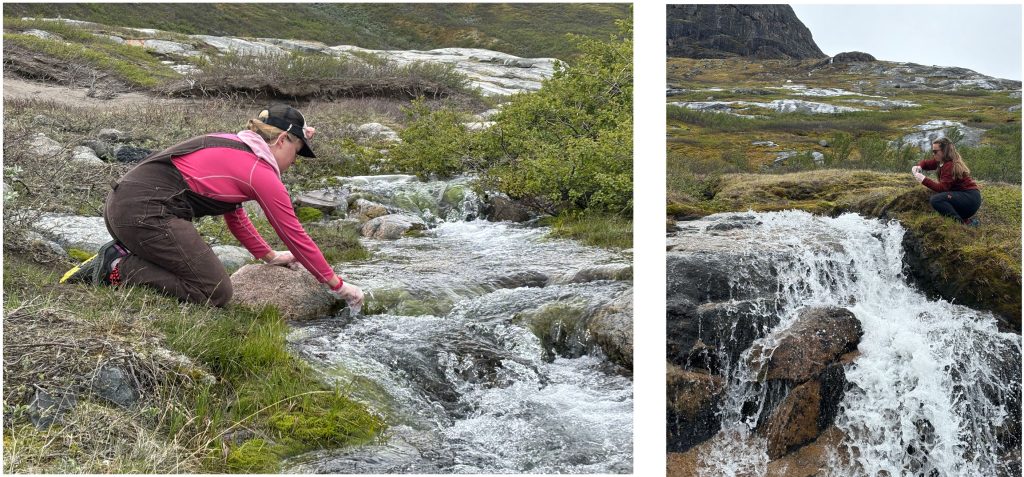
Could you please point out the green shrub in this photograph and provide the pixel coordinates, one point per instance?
(569, 145)
(840, 147)
(435, 143)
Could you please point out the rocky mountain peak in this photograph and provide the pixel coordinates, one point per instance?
(723, 31)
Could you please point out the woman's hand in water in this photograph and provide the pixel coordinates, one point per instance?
(352, 295)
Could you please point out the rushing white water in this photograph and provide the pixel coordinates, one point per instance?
(446, 355)
(934, 381)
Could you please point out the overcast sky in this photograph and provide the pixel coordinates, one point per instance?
(983, 38)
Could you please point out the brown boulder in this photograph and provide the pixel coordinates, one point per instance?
(612, 329)
(811, 460)
(692, 405)
(818, 338)
(295, 293)
(795, 422)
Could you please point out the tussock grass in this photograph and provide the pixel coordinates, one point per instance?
(608, 231)
(215, 383)
(301, 76)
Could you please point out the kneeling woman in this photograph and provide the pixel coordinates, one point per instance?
(150, 210)
(957, 194)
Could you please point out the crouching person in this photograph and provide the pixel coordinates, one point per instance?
(150, 210)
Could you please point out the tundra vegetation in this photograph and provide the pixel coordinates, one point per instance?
(721, 162)
(219, 391)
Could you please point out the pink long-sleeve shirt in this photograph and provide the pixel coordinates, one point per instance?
(234, 176)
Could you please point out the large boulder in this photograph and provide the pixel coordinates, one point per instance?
(814, 459)
(71, 231)
(611, 328)
(502, 209)
(295, 293)
(391, 227)
(365, 210)
(818, 338)
(693, 400)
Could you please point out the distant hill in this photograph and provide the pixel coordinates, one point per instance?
(724, 31)
(527, 30)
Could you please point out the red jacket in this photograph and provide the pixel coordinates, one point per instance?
(946, 181)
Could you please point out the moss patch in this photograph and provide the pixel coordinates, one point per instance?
(978, 267)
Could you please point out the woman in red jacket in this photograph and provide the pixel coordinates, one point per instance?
(957, 194)
(150, 210)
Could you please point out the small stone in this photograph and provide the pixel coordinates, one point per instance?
(113, 384)
(231, 256)
(112, 135)
(46, 409)
(818, 157)
(40, 145)
(85, 155)
(823, 143)
(124, 153)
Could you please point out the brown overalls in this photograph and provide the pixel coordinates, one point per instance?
(150, 211)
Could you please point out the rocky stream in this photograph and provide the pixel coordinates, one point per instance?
(798, 347)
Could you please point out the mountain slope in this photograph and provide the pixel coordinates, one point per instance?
(723, 31)
(533, 30)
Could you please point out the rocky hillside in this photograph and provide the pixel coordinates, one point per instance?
(521, 30)
(724, 31)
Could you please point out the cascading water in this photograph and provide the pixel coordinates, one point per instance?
(935, 390)
(446, 354)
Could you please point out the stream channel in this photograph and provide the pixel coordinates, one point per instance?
(935, 389)
(445, 349)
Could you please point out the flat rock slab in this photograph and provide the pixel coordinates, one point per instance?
(295, 293)
(71, 231)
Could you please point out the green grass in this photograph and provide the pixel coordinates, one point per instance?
(608, 231)
(258, 387)
(131, 64)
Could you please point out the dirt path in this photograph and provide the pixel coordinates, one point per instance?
(17, 88)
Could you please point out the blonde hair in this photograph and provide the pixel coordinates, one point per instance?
(267, 132)
(949, 153)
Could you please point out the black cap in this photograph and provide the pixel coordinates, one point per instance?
(290, 120)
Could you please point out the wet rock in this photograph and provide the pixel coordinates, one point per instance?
(112, 135)
(115, 385)
(392, 226)
(612, 329)
(40, 145)
(812, 460)
(693, 400)
(528, 278)
(125, 153)
(328, 201)
(71, 231)
(47, 409)
(502, 209)
(730, 328)
(795, 421)
(231, 256)
(85, 155)
(818, 337)
(612, 271)
(561, 329)
(365, 210)
(295, 293)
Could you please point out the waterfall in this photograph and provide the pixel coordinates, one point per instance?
(935, 390)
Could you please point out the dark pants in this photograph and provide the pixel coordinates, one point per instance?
(961, 205)
(144, 212)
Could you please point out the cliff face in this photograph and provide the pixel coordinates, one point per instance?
(723, 31)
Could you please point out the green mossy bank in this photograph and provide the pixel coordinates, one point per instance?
(977, 267)
(218, 390)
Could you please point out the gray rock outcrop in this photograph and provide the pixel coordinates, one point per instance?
(612, 329)
(71, 231)
(722, 31)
